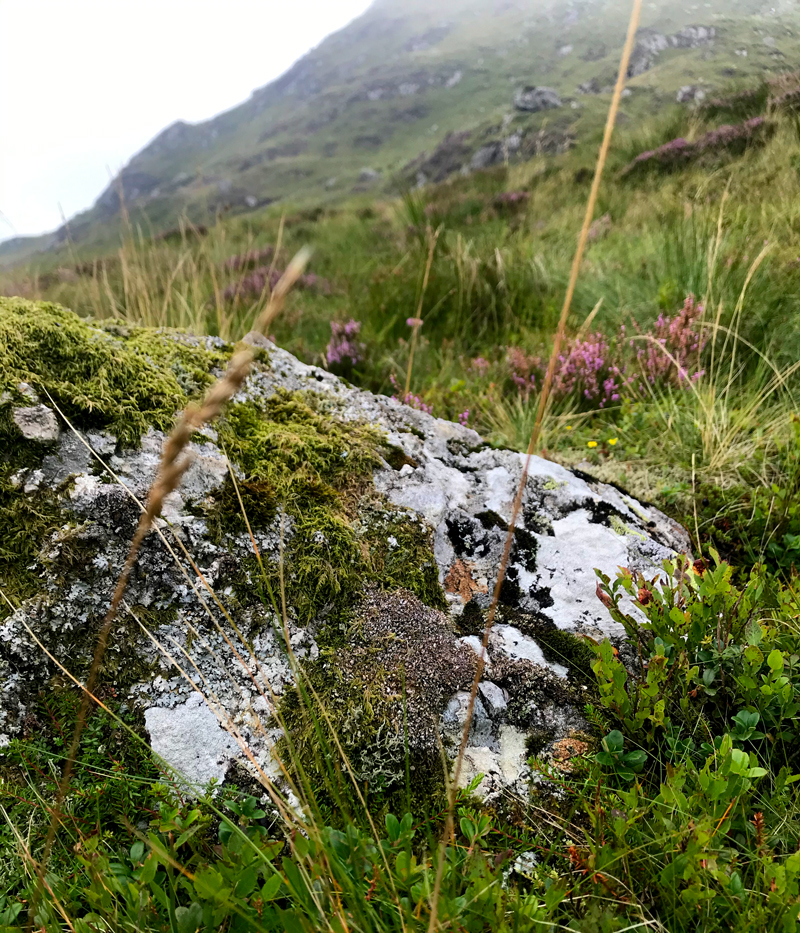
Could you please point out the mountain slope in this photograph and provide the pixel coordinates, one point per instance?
(359, 111)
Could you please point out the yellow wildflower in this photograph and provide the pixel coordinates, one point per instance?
(569, 427)
(613, 440)
(592, 444)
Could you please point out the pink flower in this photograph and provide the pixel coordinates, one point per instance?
(479, 364)
(343, 348)
(414, 321)
(413, 401)
(463, 418)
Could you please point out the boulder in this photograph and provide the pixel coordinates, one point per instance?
(490, 154)
(383, 525)
(693, 37)
(648, 47)
(690, 94)
(533, 99)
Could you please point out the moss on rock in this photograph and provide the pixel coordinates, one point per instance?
(104, 376)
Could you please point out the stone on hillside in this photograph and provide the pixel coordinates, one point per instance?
(451, 154)
(648, 47)
(533, 99)
(693, 37)
(390, 525)
(690, 94)
(490, 154)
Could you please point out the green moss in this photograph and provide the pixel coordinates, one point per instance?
(397, 458)
(383, 680)
(622, 528)
(296, 456)
(561, 647)
(120, 379)
(537, 740)
(400, 553)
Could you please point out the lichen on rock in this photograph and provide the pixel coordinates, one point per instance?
(381, 526)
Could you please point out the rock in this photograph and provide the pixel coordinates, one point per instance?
(447, 158)
(690, 93)
(647, 49)
(188, 738)
(693, 37)
(533, 99)
(490, 154)
(367, 175)
(651, 44)
(493, 699)
(37, 423)
(390, 543)
(454, 719)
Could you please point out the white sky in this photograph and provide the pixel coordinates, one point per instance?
(84, 84)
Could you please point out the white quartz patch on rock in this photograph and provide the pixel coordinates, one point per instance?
(511, 642)
(190, 739)
(503, 768)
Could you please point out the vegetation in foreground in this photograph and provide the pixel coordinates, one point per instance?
(678, 382)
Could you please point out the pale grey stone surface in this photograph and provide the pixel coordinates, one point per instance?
(190, 739)
(36, 423)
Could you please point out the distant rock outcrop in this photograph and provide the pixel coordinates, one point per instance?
(533, 99)
(651, 44)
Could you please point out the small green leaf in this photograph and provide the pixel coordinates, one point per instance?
(270, 888)
(775, 660)
(392, 827)
(246, 882)
(190, 918)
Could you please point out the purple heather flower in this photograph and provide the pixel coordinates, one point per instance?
(343, 347)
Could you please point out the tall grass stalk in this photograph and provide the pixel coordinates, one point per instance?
(534, 439)
(432, 240)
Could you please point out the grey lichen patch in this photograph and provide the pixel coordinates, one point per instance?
(385, 685)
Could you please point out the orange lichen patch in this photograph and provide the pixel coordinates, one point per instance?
(459, 580)
(565, 750)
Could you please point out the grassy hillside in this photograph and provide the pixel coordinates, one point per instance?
(356, 111)
(720, 224)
